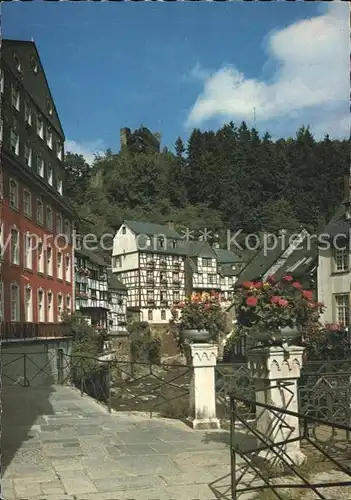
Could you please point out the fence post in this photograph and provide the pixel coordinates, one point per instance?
(109, 386)
(232, 450)
(26, 381)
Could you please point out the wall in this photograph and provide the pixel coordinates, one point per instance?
(33, 362)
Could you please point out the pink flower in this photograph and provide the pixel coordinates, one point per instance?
(288, 278)
(283, 302)
(308, 294)
(275, 299)
(297, 284)
(251, 301)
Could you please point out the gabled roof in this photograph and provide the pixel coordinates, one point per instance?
(200, 249)
(301, 261)
(151, 229)
(339, 224)
(113, 282)
(225, 256)
(93, 255)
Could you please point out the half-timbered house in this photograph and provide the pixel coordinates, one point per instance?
(117, 292)
(91, 287)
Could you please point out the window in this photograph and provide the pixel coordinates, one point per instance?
(28, 251)
(163, 276)
(1, 183)
(40, 211)
(15, 247)
(34, 65)
(341, 259)
(163, 297)
(176, 277)
(206, 262)
(176, 297)
(49, 266)
(49, 106)
(40, 254)
(50, 307)
(15, 302)
(40, 126)
(59, 265)
(161, 242)
(49, 137)
(59, 224)
(28, 112)
(14, 194)
(27, 203)
(150, 296)
(67, 229)
(49, 217)
(50, 176)
(212, 279)
(59, 150)
(41, 306)
(124, 230)
(40, 165)
(59, 306)
(17, 63)
(14, 137)
(342, 309)
(28, 154)
(2, 81)
(1, 130)
(150, 315)
(174, 244)
(149, 276)
(28, 304)
(117, 262)
(163, 314)
(68, 268)
(15, 97)
(59, 186)
(68, 304)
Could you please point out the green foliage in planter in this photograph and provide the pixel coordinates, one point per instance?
(330, 341)
(144, 347)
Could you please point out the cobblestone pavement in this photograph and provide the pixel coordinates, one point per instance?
(58, 445)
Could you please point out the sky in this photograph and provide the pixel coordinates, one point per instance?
(175, 66)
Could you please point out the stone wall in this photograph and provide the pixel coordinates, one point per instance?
(35, 362)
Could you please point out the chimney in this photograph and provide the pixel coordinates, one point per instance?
(124, 134)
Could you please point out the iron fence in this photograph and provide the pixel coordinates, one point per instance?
(251, 473)
(11, 331)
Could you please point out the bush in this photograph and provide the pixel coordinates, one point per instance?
(144, 347)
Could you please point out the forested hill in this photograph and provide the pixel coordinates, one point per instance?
(229, 179)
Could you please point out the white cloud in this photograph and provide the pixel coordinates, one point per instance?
(312, 60)
(87, 149)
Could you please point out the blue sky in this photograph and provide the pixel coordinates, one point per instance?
(172, 67)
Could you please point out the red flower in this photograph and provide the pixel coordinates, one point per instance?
(283, 302)
(271, 278)
(251, 301)
(275, 299)
(247, 284)
(288, 278)
(257, 284)
(181, 304)
(308, 294)
(297, 284)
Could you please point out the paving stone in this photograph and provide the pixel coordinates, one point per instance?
(125, 483)
(78, 485)
(147, 465)
(23, 488)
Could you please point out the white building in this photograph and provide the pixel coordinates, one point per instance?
(159, 268)
(334, 276)
(91, 287)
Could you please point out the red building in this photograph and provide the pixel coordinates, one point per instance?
(37, 278)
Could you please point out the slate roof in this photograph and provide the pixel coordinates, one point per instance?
(93, 255)
(200, 249)
(225, 256)
(113, 282)
(301, 261)
(338, 225)
(151, 229)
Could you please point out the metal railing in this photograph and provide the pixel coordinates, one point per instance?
(10, 331)
(254, 474)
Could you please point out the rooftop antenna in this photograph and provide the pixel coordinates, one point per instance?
(31, 39)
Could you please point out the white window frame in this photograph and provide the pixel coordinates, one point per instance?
(14, 194)
(59, 306)
(49, 220)
(67, 229)
(27, 207)
(49, 261)
(59, 265)
(2, 81)
(212, 279)
(14, 137)
(163, 314)
(150, 315)
(15, 246)
(40, 166)
(1, 129)
(59, 186)
(341, 259)
(28, 304)
(15, 96)
(59, 150)
(68, 267)
(50, 306)
(40, 126)
(68, 304)
(28, 154)
(28, 112)
(59, 224)
(49, 137)
(41, 305)
(342, 308)
(15, 305)
(50, 174)
(28, 251)
(40, 212)
(40, 257)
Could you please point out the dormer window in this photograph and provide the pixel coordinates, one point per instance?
(174, 244)
(161, 242)
(40, 126)
(124, 230)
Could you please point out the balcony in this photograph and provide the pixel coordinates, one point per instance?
(32, 330)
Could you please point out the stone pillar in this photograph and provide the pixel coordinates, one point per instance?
(202, 387)
(275, 372)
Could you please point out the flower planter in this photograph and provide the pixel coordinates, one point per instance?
(285, 335)
(195, 336)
